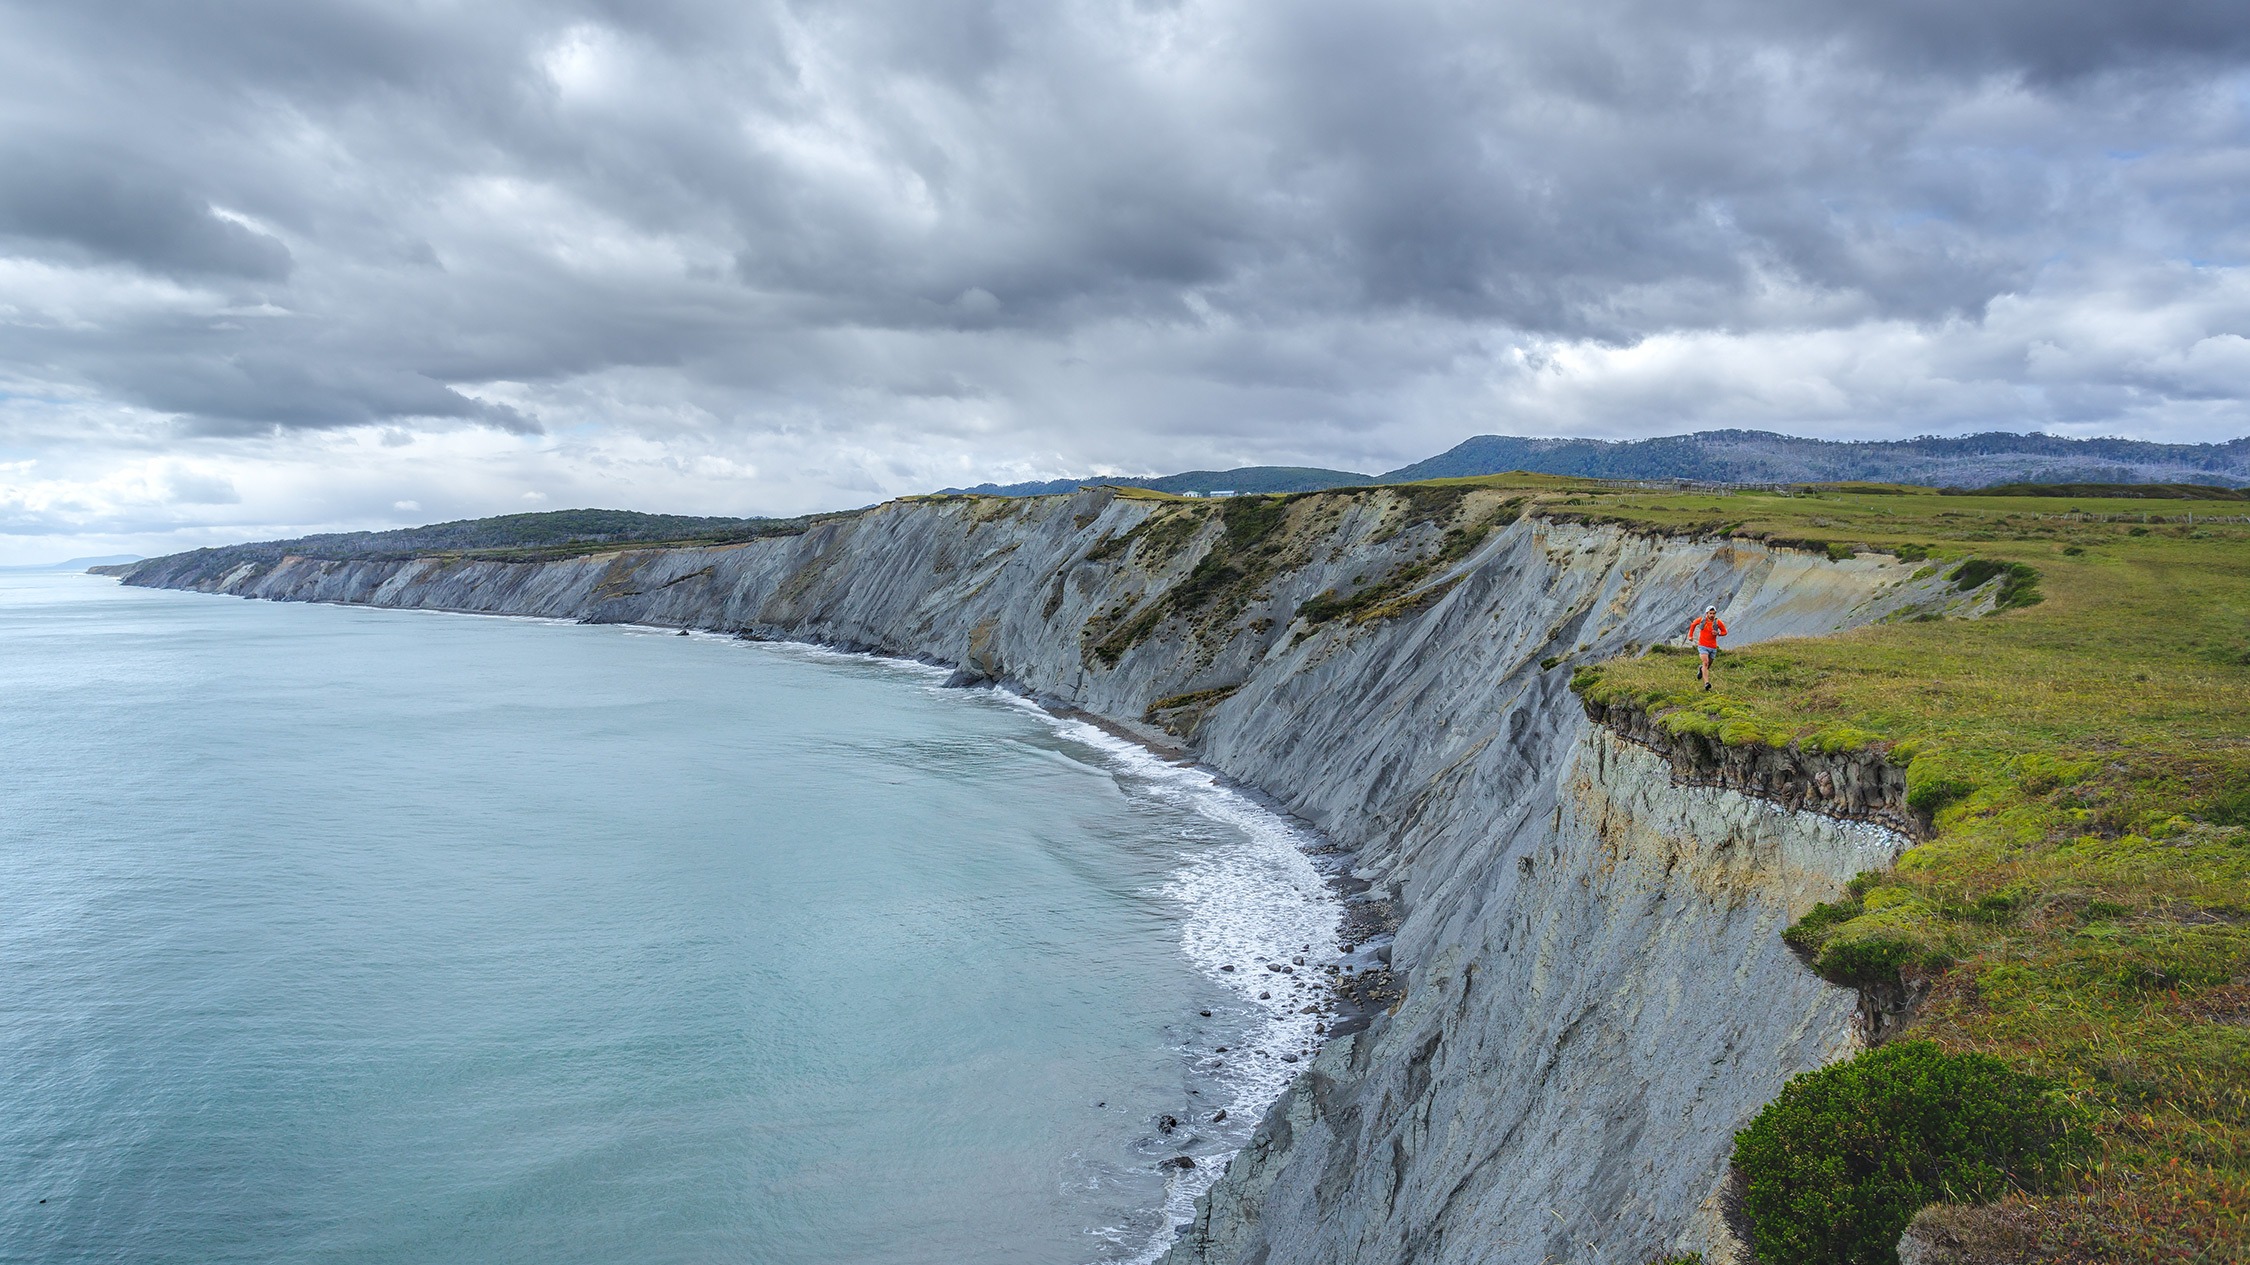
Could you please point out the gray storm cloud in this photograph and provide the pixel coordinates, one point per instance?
(730, 255)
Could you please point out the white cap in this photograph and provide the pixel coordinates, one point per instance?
(1710, 610)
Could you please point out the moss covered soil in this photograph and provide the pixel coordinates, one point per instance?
(2082, 909)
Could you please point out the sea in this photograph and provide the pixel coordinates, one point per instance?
(330, 934)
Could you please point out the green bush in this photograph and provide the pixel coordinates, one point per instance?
(1975, 571)
(2019, 584)
(1808, 933)
(1251, 519)
(1866, 962)
(1839, 1163)
(2020, 589)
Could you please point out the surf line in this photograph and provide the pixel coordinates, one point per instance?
(1294, 950)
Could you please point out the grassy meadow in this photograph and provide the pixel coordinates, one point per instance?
(2082, 910)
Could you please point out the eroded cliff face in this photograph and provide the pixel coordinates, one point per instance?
(1564, 1077)
(1860, 784)
(1597, 992)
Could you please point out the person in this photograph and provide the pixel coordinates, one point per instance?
(1706, 632)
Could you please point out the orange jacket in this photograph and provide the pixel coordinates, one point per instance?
(1707, 629)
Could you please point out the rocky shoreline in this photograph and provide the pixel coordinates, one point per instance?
(1360, 984)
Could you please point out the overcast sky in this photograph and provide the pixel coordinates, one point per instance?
(270, 266)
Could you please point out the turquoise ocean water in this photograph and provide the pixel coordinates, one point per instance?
(338, 935)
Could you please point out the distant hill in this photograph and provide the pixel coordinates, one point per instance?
(1740, 456)
(1201, 482)
(1750, 456)
(556, 533)
(2120, 491)
(78, 564)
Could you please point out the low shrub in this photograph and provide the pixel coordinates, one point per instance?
(2019, 589)
(2019, 584)
(1323, 607)
(1863, 963)
(1839, 1163)
(1808, 933)
(1975, 571)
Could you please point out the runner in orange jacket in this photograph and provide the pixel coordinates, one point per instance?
(1706, 632)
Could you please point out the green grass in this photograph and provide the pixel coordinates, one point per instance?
(2082, 910)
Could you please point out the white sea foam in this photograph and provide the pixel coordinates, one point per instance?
(1250, 898)
(446, 613)
(1058, 758)
(816, 653)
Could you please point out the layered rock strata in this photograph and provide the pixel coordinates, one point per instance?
(1858, 785)
(1596, 991)
(1564, 1075)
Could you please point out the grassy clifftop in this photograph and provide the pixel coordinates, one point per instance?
(2083, 908)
